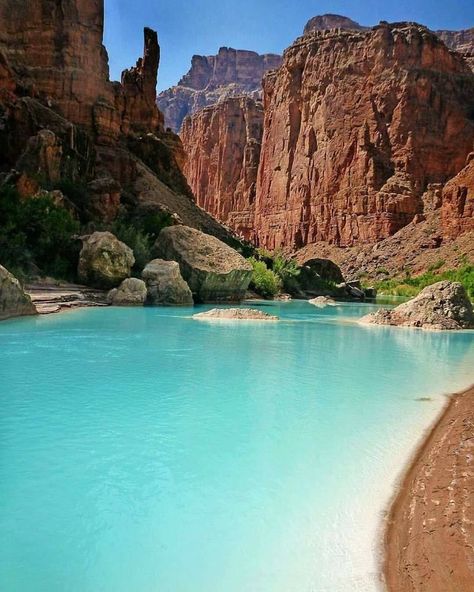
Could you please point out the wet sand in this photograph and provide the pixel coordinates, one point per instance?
(429, 540)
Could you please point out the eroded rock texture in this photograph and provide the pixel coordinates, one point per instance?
(62, 122)
(325, 22)
(461, 41)
(357, 124)
(232, 72)
(223, 151)
(457, 211)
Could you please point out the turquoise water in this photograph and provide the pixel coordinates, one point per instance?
(142, 451)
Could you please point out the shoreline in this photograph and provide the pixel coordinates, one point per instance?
(428, 542)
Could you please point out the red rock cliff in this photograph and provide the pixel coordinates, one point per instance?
(54, 48)
(223, 150)
(357, 124)
(457, 211)
(232, 72)
(461, 41)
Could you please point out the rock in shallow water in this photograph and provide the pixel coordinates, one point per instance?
(235, 314)
(165, 284)
(444, 305)
(322, 301)
(13, 300)
(214, 271)
(131, 292)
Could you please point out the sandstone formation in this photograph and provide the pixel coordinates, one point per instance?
(165, 284)
(326, 22)
(13, 300)
(444, 305)
(234, 314)
(461, 41)
(131, 292)
(457, 211)
(223, 151)
(64, 123)
(357, 124)
(104, 261)
(214, 271)
(230, 73)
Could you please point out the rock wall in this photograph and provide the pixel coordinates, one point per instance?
(64, 125)
(457, 210)
(55, 51)
(223, 151)
(230, 73)
(461, 41)
(357, 124)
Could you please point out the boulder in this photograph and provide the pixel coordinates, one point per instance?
(214, 271)
(235, 314)
(444, 305)
(165, 284)
(322, 301)
(13, 300)
(316, 274)
(131, 292)
(104, 261)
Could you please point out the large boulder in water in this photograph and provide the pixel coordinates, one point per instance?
(214, 271)
(13, 300)
(131, 292)
(104, 261)
(165, 284)
(444, 305)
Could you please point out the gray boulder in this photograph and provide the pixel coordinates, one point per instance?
(444, 305)
(214, 271)
(165, 284)
(104, 261)
(131, 292)
(13, 300)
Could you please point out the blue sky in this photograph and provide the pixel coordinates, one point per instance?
(187, 27)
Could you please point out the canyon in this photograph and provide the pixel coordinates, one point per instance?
(63, 122)
(362, 132)
(211, 79)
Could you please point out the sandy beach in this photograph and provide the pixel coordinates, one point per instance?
(429, 540)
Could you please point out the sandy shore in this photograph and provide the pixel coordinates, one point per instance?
(429, 540)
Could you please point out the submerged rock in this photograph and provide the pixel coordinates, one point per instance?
(104, 261)
(13, 300)
(444, 305)
(214, 271)
(235, 314)
(131, 292)
(322, 301)
(165, 284)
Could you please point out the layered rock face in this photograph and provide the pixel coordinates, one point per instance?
(55, 50)
(357, 124)
(62, 120)
(457, 211)
(232, 72)
(223, 151)
(461, 41)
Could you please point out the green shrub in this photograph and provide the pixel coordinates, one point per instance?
(137, 240)
(36, 232)
(410, 286)
(288, 271)
(264, 281)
